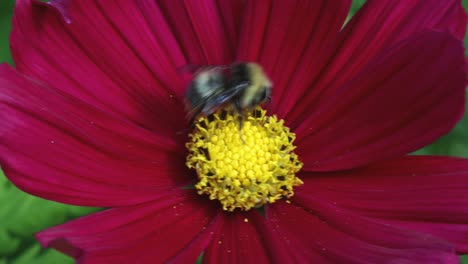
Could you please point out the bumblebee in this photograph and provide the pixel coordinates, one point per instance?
(241, 86)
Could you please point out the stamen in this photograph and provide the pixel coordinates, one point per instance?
(243, 168)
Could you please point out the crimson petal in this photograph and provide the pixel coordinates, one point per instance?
(428, 194)
(119, 56)
(154, 232)
(207, 30)
(238, 240)
(331, 235)
(404, 100)
(60, 148)
(378, 26)
(292, 40)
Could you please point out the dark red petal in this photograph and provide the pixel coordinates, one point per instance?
(404, 100)
(60, 148)
(206, 30)
(192, 252)
(154, 232)
(328, 234)
(428, 194)
(238, 240)
(118, 55)
(378, 26)
(292, 40)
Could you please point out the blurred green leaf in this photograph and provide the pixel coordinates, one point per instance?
(8, 244)
(464, 259)
(23, 215)
(356, 5)
(6, 7)
(33, 255)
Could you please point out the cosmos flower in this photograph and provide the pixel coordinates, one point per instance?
(93, 115)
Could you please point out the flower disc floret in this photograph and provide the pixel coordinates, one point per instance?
(243, 167)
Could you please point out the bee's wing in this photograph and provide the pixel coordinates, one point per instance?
(210, 104)
(214, 101)
(206, 105)
(230, 93)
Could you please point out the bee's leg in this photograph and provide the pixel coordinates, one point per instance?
(192, 122)
(194, 114)
(240, 116)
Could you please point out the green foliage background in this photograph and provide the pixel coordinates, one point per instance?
(22, 215)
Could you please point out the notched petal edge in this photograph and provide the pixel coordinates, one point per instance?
(62, 7)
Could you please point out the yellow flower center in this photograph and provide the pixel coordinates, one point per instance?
(243, 168)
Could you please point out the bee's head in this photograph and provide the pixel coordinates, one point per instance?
(259, 88)
(262, 95)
